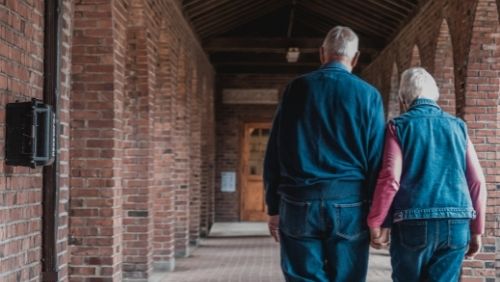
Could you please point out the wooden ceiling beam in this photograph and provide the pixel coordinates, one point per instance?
(273, 69)
(246, 58)
(402, 13)
(205, 7)
(189, 3)
(227, 15)
(243, 18)
(364, 10)
(379, 10)
(348, 20)
(273, 45)
(355, 12)
(266, 70)
(399, 4)
(219, 11)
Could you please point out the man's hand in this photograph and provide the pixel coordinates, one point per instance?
(380, 238)
(273, 223)
(474, 246)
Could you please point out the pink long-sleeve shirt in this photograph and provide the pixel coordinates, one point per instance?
(390, 176)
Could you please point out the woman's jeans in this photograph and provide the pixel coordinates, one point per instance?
(429, 250)
(324, 240)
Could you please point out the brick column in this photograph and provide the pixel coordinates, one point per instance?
(208, 160)
(181, 145)
(96, 140)
(164, 213)
(444, 72)
(195, 116)
(138, 169)
(482, 116)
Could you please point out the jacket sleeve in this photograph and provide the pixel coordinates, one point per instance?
(272, 168)
(388, 181)
(376, 132)
(477, 189)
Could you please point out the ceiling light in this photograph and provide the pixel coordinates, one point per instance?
(292, 56)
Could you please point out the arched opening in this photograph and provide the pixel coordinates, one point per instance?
(444, 71)
(393, 105)
(415, 57)
(481, 105)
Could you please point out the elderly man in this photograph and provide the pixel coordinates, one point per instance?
(432, 187)
(321, 165)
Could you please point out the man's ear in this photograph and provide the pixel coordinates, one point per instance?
(355, 60)
(322, 58)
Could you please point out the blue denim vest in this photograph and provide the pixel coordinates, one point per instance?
(433, 182)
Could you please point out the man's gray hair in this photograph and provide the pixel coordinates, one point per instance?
(417, 83)
(341, 41)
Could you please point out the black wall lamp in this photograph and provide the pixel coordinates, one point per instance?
(30, 134)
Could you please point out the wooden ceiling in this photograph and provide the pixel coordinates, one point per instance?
(253, 36)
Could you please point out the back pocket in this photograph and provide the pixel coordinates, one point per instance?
(293, 217)
(413, 234)
(458, 233)
(350, 220)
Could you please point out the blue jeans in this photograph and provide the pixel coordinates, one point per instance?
(429, 250)
(323, 240)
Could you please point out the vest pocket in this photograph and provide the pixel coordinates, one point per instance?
(293, 217)
(350, 220)
(413, 234)
(458, 233)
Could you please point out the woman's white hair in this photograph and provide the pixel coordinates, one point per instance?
(417, 83)
(341, 41)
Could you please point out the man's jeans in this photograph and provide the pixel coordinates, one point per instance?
(324, 240)
(429, 250)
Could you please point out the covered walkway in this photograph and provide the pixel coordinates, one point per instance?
(163, 109)
(243, 253)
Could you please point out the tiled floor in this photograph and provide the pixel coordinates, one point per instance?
(231, 257)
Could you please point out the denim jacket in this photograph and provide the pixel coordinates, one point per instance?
(327, 138)
(433, 181)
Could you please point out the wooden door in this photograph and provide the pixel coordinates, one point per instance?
(255, 139)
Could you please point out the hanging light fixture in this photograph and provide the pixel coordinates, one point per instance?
(292, 56)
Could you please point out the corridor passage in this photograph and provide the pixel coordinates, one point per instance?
(231, 256)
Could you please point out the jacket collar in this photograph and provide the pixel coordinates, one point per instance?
(334, 65)
(424, 101)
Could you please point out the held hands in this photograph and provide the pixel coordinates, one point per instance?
(474, 246)
(273, 224)
(380, 237)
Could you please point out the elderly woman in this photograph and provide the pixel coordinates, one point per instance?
(430, 188)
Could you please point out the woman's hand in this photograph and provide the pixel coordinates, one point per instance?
(380, 237)
(273, 223)
(474, 246)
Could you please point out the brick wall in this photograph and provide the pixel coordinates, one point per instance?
(21, 78)
(230, 120)
(136, 153)
(458, 44)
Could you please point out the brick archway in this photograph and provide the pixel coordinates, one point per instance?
(444, 71)
(393, 105)
(415, 57)
(482, 116)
